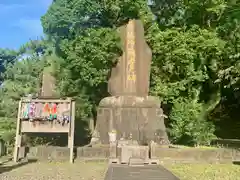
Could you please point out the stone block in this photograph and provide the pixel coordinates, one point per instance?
(136, 162)
(226, 155)
(135, 152)
(209, 155)
(236, 154)
(95, 152)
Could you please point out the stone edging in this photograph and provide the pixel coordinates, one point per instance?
(220, 155)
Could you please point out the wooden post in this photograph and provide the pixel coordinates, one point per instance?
(18, 137)
(71, 133)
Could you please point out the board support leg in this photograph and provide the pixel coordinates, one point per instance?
(71, 133)
(18, 137)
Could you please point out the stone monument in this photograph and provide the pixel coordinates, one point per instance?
(129, 110)
(48, 84)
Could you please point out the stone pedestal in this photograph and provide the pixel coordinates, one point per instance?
(138, 117)
(134, 153)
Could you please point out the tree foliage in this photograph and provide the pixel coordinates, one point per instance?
(195, 65)
(21, 78)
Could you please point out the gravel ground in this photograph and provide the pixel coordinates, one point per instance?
(53, 171)
(96, 171)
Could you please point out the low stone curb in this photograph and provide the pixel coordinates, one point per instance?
(188, 155)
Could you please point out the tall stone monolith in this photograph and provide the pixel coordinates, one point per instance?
(48, 84)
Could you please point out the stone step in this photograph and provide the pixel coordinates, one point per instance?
(136, 161)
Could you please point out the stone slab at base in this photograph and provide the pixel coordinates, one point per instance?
(121, 172)
(136, 162)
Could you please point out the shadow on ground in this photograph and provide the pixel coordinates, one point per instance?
(6, 161)
(4, 167)
(236, 162)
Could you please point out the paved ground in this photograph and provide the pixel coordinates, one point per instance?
(152, 172)
(33, 170)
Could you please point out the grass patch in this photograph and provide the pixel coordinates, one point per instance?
(196, 147)
(205, 171)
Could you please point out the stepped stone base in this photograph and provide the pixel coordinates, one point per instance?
(138, 118)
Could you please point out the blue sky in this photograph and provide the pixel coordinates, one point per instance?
(20, 21)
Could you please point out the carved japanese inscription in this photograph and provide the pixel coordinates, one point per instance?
(131, 75)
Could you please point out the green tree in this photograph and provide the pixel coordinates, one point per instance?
(7, 56)
(185, 64)
(20, 78)
(188, 54)
(227, 113)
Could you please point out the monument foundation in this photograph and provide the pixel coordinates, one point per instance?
(138, 117)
